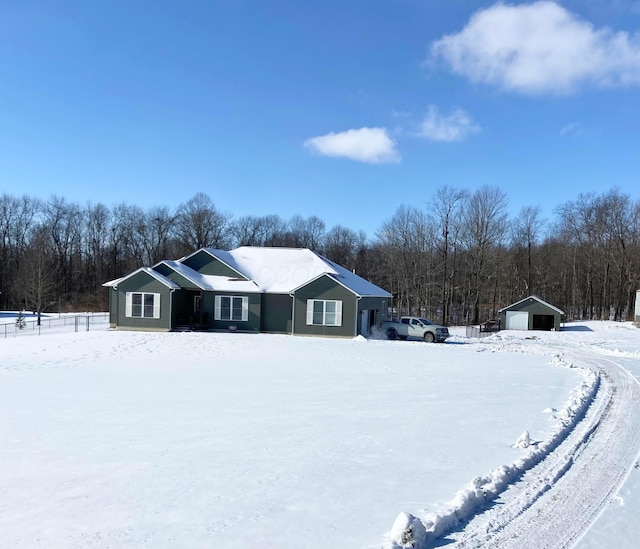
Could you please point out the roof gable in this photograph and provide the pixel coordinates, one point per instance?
(149, 271)
(537, 299)
(220, 263)
(211, 282)
(279, 270)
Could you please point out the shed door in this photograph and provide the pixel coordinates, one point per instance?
(517, 320)
(364, 322)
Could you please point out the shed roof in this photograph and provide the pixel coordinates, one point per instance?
(532, 297)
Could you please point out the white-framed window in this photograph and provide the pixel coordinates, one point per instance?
(324, 312)
(142, 305)
(231, 307)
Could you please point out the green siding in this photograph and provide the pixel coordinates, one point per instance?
(143, 282)
(180, 280)
(251, 325)
(205, 263)
(379, 306)
(276, 313)
(113, 308)
(325, 288)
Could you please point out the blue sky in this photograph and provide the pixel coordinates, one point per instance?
(344, 110)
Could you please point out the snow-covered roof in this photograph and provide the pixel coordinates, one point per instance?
(270, 270)
(112, 283)
(212, 282)
(537, 299)
(357, 284)
(148, 270)
(283, 270)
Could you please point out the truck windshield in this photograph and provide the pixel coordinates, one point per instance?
(425, 321)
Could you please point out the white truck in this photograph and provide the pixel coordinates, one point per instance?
(413, 326)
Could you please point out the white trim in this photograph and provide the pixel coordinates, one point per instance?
(147, 270)
(129, 305)
(337, 312)
(217, 312)
(532, 297)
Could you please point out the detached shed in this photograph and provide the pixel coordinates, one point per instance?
(531, 313)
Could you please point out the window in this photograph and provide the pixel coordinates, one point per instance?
(142, 305)
(197, 300)
(321, 312)
(231, 307)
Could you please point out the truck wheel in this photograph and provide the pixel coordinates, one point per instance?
(429, 337)
(391, 333)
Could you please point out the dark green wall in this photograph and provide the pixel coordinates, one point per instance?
(175, 277)
(205, 263)
(143, 282)
(276, 313)
(113, 308)
(379, 304)
(325, 288)
(253, 322)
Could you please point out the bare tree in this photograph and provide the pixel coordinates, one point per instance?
(200, 224)
(342, 246)
(156, 228)
(485, 224)
(267, 230)
(63, 221)
(526, 229)
(307, 232)
(36, 281)
(406, 242)
(17, 217)
(447, 207)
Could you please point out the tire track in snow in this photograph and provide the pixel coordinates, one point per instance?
(555, 503)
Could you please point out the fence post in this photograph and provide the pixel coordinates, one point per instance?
(87, 324)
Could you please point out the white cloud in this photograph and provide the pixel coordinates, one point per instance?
(573, 128)
(372, 145)
(539, 48)
(455, 127)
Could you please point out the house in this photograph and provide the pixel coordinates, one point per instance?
(249, 289)
(531, 313)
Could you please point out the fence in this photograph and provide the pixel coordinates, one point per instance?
(479, 331)
(64, 323)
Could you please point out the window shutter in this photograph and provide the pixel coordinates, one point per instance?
(156, 305)
(338, 313)
(216, 308)
(309, 311)
(128, 305)
(245, 308)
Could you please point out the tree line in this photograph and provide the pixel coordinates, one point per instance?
(458, 260)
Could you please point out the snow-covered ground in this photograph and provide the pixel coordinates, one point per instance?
(146, 440)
